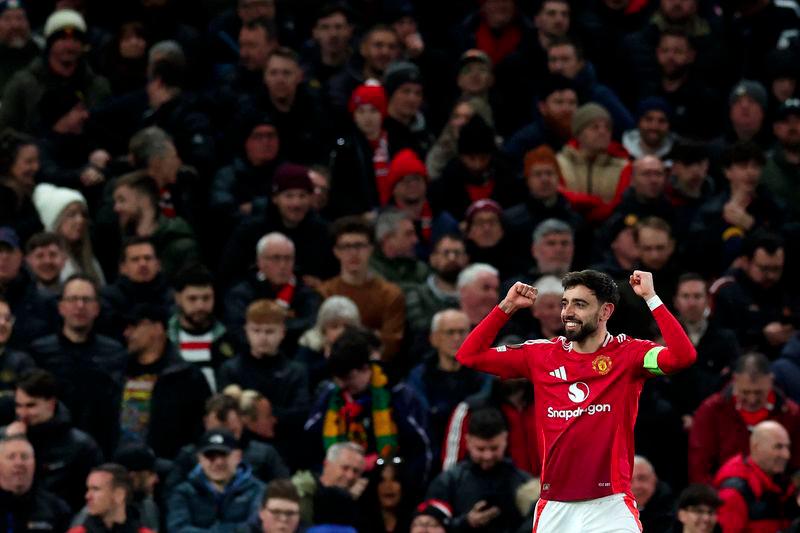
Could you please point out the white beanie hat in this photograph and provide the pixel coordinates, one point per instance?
(63, 19)
(50, 201)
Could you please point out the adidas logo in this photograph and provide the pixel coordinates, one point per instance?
(559, 373)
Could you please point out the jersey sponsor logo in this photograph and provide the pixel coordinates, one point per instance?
(567, 414)
(578, 392)
(560, 373)
(602, 364)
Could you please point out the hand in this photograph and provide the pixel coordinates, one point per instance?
(91, 176)
(481, 514)
(358, 487)
(99, 158)
(777, 334)
(520, 296)
(735, 214)
(687, 422)
(16, 428)
(642, 284)
(414, 45)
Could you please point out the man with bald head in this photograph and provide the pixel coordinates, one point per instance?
(755, 494)
(724, 422)
(440, 380)
(654, 497)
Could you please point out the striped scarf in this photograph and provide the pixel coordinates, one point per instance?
(343, 421)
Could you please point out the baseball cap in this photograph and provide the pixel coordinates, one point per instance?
(217, 440)
(473, 56)
(788, 108)
(9, 236)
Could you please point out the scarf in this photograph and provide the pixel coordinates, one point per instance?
(342, 419)
(751, 418)
(380, 165)
(497, 45)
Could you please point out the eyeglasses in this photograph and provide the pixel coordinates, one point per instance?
(86, 300)
(283, 514)
(352, 246)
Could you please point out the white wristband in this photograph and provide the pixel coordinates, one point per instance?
(653, 302)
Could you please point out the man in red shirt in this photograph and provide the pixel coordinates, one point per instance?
(587, 390)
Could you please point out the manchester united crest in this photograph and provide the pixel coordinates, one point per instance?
(602, 364)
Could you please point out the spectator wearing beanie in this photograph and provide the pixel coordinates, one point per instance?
(652, 135)
(478, 172)
(409, 187)
(594, 168)
(289, 213)
(405, 123)
(746, 117)
(67, 155)
(17, 47)
(432, 516)
(544, 200)
(360, 158)
(62, 65)
(64, 212)
(446, 146)
(485, 237)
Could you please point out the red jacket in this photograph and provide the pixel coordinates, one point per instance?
(752, 501)
(718, 433)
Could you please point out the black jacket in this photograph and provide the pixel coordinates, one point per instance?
(353, 189)
(657, 515)
(95, 524)
(123, 295)
(64, 457)
(466, 484)
(38, 510)
(33, 309)
(177, 404)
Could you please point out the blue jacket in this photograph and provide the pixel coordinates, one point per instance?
(196, 507)
(787, 369)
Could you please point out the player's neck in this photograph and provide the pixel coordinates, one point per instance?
(592, 343)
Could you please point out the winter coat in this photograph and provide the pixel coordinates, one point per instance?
(787, 369)
(33, 309)
(35, 511)
(124, 294)
(781, 178)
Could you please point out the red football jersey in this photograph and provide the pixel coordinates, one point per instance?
(586, 403)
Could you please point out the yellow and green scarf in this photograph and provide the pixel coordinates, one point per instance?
(342, 421)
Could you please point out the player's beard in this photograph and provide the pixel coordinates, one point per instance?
(583, 332)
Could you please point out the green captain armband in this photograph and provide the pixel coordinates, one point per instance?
(651, 361)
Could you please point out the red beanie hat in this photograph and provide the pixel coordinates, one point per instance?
(369, 93)
(405, 163)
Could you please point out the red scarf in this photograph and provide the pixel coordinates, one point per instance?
(751, 418)
(286, 294)
(497, 47)
(380, 165)
(480, 192)
(426, 222)
(165, 203)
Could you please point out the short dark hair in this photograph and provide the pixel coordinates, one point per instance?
(141, 183)
(566, 40)
(678, 33)
(38, 383)
(11, 142)
(450, 236)
(690, 276)
(221, 405)
(543, 2)
(332, 9)
(133, 241)
(761, 239)
(742, 152)
(351, 351)
(119, 477)
(378, 28)
(753, 364)
(80, 276)
(688, 152)
(698, 494)
(282, 489)
(486, 423)
(351, 224)
(195, 275)
(261, 23)
(42, 239)
(600, 283)
(655, 223)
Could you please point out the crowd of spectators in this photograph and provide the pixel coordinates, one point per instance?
(241, 242)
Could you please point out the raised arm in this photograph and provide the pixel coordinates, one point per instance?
(476, 351)
(679, 352)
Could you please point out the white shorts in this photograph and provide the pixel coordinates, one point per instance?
(610, 514)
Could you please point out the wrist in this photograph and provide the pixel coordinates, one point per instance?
(652, 301)
(507, 307)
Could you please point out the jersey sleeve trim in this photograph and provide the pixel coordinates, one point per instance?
(651, 361)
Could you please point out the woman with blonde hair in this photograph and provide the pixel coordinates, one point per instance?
(64, 212)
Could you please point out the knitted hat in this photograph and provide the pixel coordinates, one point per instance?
(542, 155)
(750, 88)
(653, 103)
(478, 206)
(555, 83)
(250, 121)
(64, 20)
(369, 93)
(586, 114)
(11, 4)
(291, 176)
(50, 202)
(476, 137)
(405, 163)
(437, 509)
(9, 237)
(399, 73)
(57, 103)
